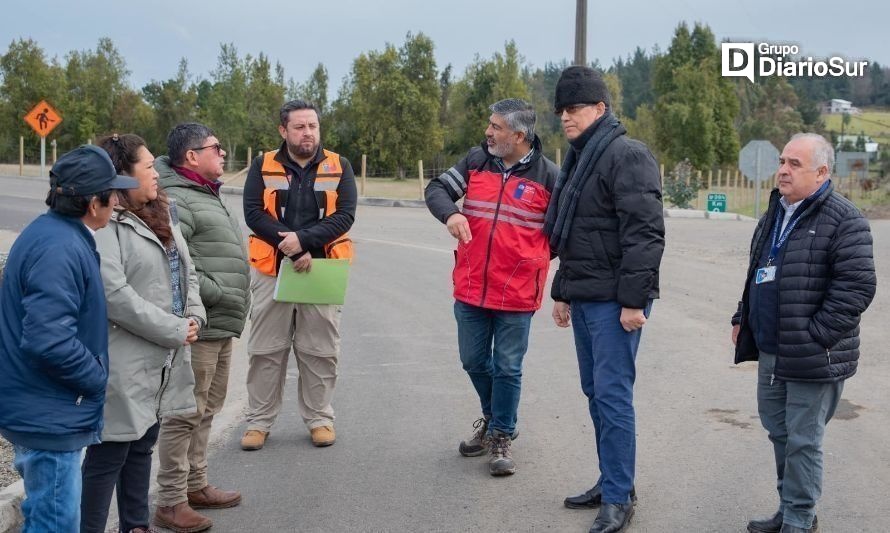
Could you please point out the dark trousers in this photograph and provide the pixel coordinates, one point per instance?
(125, 466)
(607, 364)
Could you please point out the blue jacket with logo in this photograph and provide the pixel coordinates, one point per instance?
(53, 337)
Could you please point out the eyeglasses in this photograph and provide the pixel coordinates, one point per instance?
(217, 147)
(571, 109)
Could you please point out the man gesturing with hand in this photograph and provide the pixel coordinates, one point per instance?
(499, 276)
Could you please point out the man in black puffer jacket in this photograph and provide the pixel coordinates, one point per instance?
(606, 223)
(810, 278)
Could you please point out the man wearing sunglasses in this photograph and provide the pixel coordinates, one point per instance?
(606, 223)
(190, 175)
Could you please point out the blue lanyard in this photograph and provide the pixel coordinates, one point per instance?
(779, 240)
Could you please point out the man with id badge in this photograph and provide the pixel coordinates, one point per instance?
(811, 276)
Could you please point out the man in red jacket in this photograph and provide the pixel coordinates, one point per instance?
(501, 265)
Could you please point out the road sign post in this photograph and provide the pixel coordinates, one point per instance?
(43, 118)
(758, 160)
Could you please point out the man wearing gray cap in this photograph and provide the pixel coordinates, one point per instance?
(606, 223)
(54, 338)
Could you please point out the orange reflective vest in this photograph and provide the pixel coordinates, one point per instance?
(264, 256)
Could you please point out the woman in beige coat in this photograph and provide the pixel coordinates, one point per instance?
(154, 314)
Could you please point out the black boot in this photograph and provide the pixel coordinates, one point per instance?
(773, 524)
(787, 528)
(592, 498)
(612, 518)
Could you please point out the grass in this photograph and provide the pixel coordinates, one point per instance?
(873, 122)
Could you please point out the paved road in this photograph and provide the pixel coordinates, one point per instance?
(403, 403)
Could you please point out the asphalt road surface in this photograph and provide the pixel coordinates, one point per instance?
(403, 403)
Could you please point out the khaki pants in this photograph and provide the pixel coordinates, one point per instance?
(182, 444)
(313, 332)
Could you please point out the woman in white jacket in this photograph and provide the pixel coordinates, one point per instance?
(154, 314)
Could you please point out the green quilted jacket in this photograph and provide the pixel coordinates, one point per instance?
(217, 249)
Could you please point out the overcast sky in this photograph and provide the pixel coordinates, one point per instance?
(152, 36)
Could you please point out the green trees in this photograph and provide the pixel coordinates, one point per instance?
(485, 81)
(770, 112)
(389, 105)
(396, 106)
(695, 107)
(27, 78)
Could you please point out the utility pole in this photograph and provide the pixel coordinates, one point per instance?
(581, 32)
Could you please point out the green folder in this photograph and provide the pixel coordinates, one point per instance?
(325, 283)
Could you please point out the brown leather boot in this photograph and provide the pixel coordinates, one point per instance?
(181, 518)
(211, 497)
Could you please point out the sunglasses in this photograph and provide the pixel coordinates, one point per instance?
(571, 109)
(216, 146)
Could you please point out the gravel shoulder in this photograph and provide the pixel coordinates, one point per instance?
(8, 475)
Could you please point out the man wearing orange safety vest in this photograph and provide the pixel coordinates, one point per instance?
(500, 267)
(299, 202)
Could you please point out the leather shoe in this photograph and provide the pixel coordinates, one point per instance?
(787, 528)
(593, 498)
(211, 497)
(766, 525)
(181, 518)
(612, 518)
(773, 524)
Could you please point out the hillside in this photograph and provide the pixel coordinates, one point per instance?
(873, 122)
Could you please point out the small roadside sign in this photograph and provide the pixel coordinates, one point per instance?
(43, 118)
(717, 202)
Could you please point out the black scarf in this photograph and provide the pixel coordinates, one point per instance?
(576, 169)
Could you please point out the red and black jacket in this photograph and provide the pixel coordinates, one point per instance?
(504, 266)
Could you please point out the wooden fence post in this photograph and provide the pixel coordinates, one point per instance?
(559, 157)
(420, 176)
(364, 172)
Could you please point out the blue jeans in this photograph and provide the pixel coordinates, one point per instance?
(52, 490)
(607, 365)
(795, 415)
(492, 345)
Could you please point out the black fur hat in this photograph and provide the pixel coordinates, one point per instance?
(580, 85)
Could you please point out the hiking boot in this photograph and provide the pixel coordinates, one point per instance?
(181, 518)
(254, 439)
(501, 461)
(478, 443)
(323, 436)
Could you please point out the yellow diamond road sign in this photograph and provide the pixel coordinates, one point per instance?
(43, 118)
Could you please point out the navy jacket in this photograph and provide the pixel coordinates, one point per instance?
(826, 282)
(53, 337)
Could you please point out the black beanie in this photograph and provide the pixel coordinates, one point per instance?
(580, 85)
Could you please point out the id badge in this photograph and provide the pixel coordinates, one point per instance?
(765, 275)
